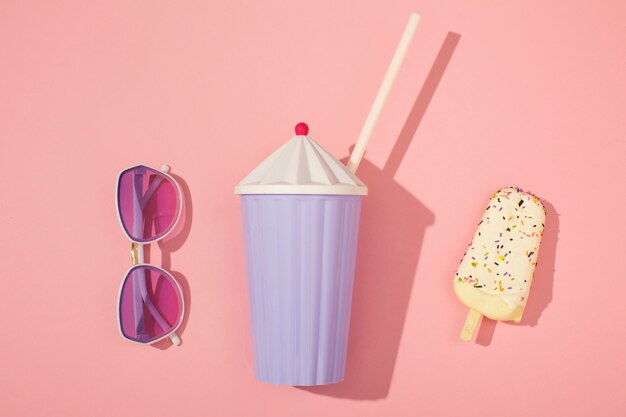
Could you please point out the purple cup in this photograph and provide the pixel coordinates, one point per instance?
(301, 209)
(300, 258)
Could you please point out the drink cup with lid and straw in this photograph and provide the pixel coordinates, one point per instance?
(301, 210)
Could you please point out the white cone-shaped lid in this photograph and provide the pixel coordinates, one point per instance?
(301, 166)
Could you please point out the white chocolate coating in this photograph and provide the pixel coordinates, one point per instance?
(496, 271)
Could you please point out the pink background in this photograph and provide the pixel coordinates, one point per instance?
(493, 93)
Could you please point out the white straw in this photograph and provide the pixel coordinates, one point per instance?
(383, 92)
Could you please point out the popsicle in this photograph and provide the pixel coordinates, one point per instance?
(496, 271)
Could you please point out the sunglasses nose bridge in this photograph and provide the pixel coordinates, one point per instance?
(134, 256)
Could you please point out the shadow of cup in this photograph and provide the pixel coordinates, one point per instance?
(390, 238)
(393, 222)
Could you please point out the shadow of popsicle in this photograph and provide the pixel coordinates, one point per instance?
(540, 294)
(171, 244)
(392, 228)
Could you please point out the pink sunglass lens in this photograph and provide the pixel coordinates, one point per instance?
(151, 304)
(148, 203)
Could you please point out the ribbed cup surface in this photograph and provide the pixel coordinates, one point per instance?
(300, 256)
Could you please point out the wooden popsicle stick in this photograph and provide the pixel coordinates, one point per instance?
(472, 322)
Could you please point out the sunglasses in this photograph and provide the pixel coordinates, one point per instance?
(150, 302)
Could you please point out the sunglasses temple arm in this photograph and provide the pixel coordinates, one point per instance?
(140, 289)
(141, 296)
(140, 276)
(173, 336)
(153, 186)
(154, 311)
(151, 189)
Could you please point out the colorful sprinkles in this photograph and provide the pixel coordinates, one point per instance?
(507, 245)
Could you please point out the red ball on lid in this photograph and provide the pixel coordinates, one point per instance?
(302, 129)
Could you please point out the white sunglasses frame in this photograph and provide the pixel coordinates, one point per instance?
(140, 256)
